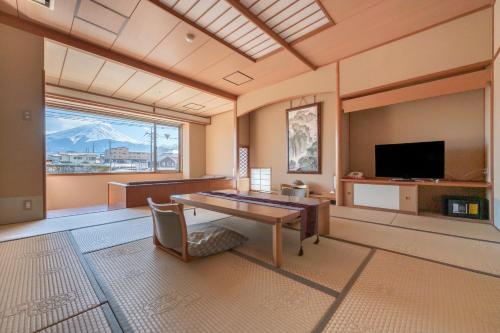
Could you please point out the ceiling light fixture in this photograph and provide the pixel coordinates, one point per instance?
(189, 38)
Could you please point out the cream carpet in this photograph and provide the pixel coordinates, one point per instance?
(91, 321)
(42, 282)
(470, 254)
(332, 270)
(156, 292)
(401, 294)
(108, 235)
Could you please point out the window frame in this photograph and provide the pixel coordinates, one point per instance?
(247, 147)
(155, 170)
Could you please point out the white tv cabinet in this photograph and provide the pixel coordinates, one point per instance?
(402, 196)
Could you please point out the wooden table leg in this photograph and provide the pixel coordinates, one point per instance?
(277, 246)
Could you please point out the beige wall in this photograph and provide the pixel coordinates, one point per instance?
(268, 142)
(71, 191)
(244, 130)
(197, 151)
(460, 42)
(496, 25)
(193, 150)
(21, 141)
(220, 145)
(313, 82)
(458, 119)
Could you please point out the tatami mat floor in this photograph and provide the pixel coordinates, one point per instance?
(105, 275)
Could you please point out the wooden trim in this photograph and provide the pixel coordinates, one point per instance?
(171, 11)
(44, 148)
(54, 35)
(452, 85)
(236, 155)
(327, 14)
(245, 12)
(492, 140)
(339, 187)
(319, 124)
(419, 79)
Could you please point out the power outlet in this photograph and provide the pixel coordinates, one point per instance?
(27, 204)
(27, 115)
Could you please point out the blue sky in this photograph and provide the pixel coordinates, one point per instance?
(58, 120)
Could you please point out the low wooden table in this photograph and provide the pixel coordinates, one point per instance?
(274, 216)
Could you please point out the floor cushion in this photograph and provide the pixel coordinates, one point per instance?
(207, 239)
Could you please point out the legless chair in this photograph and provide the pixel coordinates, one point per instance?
(169, 229)
(172, 235)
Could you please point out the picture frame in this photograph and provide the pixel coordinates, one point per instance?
(303, 132)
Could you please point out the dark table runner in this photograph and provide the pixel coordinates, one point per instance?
(308, 216)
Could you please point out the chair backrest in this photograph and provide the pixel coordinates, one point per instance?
(169, 224)
(294, 192)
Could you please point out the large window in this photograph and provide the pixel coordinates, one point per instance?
(78, 142)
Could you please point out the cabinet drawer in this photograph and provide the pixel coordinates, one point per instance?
(408, 199)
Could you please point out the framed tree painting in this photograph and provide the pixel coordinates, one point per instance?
(303, 126)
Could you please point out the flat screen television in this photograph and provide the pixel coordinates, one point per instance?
(410, 160)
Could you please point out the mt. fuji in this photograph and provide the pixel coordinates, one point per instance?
(92, 138)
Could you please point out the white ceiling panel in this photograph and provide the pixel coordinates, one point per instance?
(255, 42)
(275, 9)
(267, 50)
(248, 37)
(262, 5)
(54, 55)
(227, 23)
(233, 26)
(305, 13)
(101, 16)
(199, 9)
(144, 30)
(240, 32)
(80, 69)
(213, 13)
(223, 21)
(124, 7)
(111, 77)
(91, 32)
(158, 92)
(183, 6)
(288, 12)
(262, 46)
(179, 96)
(308, 29)
(136, 85)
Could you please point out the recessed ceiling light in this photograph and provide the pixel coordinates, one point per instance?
(189, 38)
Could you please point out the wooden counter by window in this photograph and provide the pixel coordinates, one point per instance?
(134, 194)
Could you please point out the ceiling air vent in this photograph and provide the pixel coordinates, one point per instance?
(46, 3)
(238, 78)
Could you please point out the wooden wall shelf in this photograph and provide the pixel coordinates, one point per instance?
(441, 183)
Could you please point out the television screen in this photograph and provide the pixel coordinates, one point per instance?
(410, 160)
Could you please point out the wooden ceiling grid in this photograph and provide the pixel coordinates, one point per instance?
(139, 29)
(86, 72)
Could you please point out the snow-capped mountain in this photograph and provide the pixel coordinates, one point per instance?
(92, 137)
